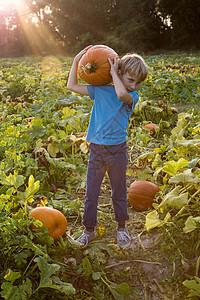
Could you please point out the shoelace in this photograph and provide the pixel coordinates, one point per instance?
(122, 235)
(83, 239)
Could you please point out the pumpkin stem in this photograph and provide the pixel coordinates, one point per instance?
(91, 67)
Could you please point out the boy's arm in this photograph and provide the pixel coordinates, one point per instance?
(120, 89)
(72, 83)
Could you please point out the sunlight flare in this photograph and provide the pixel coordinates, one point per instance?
(9, 3)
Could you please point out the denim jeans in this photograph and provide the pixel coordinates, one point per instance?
(113, 160)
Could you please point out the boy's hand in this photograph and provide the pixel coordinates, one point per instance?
(113, 66)
(120, 88)
(81, 53)
(72, 83)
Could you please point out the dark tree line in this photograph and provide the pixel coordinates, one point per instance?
(66, 26)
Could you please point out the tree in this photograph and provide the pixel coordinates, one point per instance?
(77, 23)
(7, 17)
(66, 26)
(122, 24)
(185, 21)
(12, 35)
(136, 25)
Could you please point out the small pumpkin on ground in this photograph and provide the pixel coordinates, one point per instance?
(94, 67)
(151, 127)
(53, 220)
(141, 194)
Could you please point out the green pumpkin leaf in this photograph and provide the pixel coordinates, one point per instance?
(32, 188)
(184, 178)
(172, 167)
(87, 268)
(59, 163)
(68, 112)
(193, 286)
(96, 252)
(187, 143)
(63, 287)
(159, 83)
(149, 156)
(153, 220)
(96, 275)
(15, 292)
(37, 131)
(185, 93)
(178, 131)
(46, 281)
(144, 175)
(140, 106)
(13, 180)
(53, 150)
(12, 276)
(193, 162)
(119, 292)
(191, 224)
(174, 199)
(47, 270)
(2, 176)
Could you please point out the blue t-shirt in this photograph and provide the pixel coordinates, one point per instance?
(109, 119)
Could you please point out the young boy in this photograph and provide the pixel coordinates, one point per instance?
(113, 106)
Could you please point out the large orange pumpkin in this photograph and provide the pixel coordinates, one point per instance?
(94, 67)
(141, 194)
(53, 220)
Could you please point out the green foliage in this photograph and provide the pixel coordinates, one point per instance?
(191, 224)
(120, 291)
(172, 79)
(46, 281)
(11, 291)
(193, 286)
(44, 156)
(97, 252)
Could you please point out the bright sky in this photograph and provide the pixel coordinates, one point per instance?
(20, 7)
(9, 2)
(17, 4)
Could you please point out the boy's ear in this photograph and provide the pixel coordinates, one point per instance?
(119, 72)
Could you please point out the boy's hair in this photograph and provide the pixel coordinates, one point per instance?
(134, 64)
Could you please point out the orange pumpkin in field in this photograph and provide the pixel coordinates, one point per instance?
(151, 127)
(53, 220)
(94, 67)
(141, 194)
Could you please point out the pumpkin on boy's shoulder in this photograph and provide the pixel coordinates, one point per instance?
(94, 67)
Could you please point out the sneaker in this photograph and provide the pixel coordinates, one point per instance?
(123, 238)
(86, 237)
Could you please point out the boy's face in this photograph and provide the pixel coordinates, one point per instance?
(131, 82)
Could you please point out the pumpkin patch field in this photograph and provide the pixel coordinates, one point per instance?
(43, 164)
